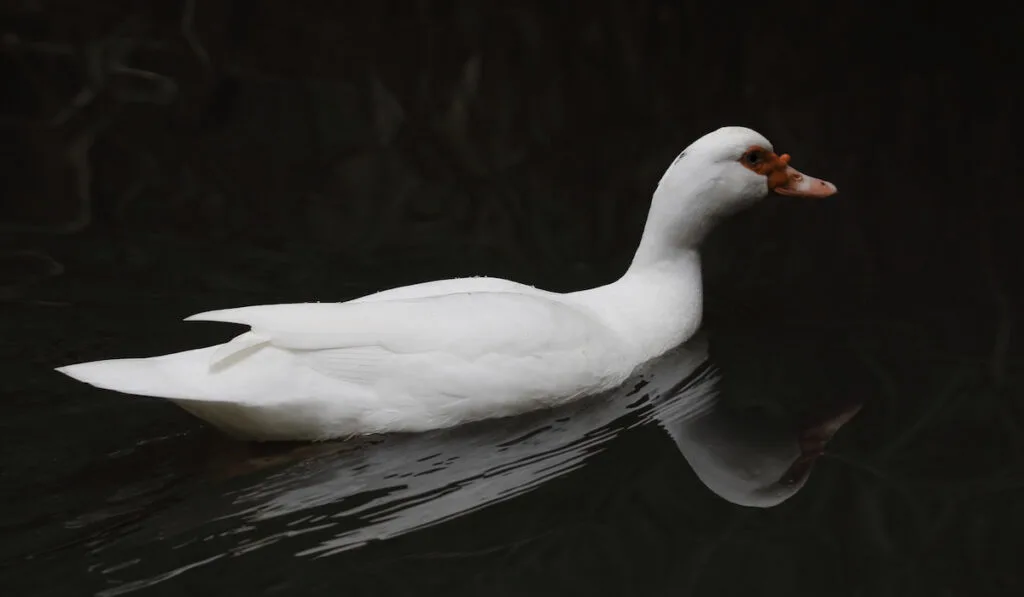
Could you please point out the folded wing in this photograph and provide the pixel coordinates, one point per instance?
(457, 343)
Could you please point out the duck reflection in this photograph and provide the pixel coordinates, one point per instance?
(339, 496)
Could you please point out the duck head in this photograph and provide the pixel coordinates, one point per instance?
(735, 166)
(719, 174)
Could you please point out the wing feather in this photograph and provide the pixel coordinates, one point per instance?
(467, 324)
(423, 362)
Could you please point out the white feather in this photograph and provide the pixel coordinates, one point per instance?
(445, 352)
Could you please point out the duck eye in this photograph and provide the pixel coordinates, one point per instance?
(753, 158)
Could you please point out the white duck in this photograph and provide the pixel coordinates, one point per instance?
(442, 353)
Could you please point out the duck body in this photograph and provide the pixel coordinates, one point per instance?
(441, 353)
(409, 359)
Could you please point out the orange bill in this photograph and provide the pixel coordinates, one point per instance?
(783, 178)
(794, 183)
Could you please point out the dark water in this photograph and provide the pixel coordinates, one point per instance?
(634, 491)
(167, 158)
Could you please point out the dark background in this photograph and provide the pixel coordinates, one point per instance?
(162, 158)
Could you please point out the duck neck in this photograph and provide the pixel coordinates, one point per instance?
(679, 218)
(658, 303)
(654, 306)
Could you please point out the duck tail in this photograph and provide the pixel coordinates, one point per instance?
(154, 377)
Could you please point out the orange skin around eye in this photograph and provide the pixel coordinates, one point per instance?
(783, 178)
